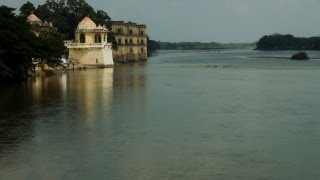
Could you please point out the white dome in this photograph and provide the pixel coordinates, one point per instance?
(87, 23)
(99, 27)
(33, 18)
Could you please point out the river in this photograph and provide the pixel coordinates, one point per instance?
(181, 115)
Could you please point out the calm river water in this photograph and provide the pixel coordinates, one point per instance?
(174, 117)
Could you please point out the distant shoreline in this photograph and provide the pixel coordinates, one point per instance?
(203, 46)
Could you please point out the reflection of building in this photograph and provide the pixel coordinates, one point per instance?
(132, 41)
(90, 47)
(92, 92)
(130, 78)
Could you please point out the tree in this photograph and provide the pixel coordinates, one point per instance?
(26, 9)
(66, 14)
(102, 18)
(152, 46)
(20, 47)
(16, 42)
(288, 42)
(52, 48)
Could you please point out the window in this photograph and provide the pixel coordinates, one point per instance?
(141, 33)
(126, 41)
(119, 31)
(82, 38)
(119, 41)
(142, 42)
(131, 41)
(142, 50)
(97, 38)
(130, 32)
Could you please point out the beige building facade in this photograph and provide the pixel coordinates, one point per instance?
(90, 47)
(132, 41)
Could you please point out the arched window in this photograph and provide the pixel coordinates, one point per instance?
(82, 38)
(142, 50)
(97, 38)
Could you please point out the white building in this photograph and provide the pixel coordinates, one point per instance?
(90, 47)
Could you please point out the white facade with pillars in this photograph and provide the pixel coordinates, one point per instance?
(90, 47)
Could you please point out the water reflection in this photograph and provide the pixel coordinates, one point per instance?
(16, 119)
(27, 107)
(130, 78)
(165, 121)
(91, 92)
(129, 91)
(67, 116)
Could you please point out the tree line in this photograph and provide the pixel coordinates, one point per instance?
(288, 42)
(201, 45)
(153, 46)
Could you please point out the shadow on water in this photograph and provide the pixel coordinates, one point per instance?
(16, 120)
(21, 104)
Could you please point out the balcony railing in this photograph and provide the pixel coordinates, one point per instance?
(74, 45)
(91, 30)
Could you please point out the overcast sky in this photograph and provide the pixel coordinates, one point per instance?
(212, 20)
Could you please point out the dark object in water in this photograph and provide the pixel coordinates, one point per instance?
(211, 66)
(300, 56)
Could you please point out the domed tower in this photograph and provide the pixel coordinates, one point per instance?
(33, 19)
(90, 47)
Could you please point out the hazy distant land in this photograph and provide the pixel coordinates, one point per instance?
(204, 46)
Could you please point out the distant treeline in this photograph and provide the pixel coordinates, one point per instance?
(288, 42)
(202, 46)
(152, 46)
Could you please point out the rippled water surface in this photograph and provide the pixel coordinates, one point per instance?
(182, 115)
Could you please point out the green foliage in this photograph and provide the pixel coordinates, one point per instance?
(103, 18)
(52, 42)
(152, 46)
(66, 14)
(16, 42)
(288, 42)
(19, 46)
(300, 56)
(26, 9)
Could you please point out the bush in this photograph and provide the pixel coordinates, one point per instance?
(300, 56)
